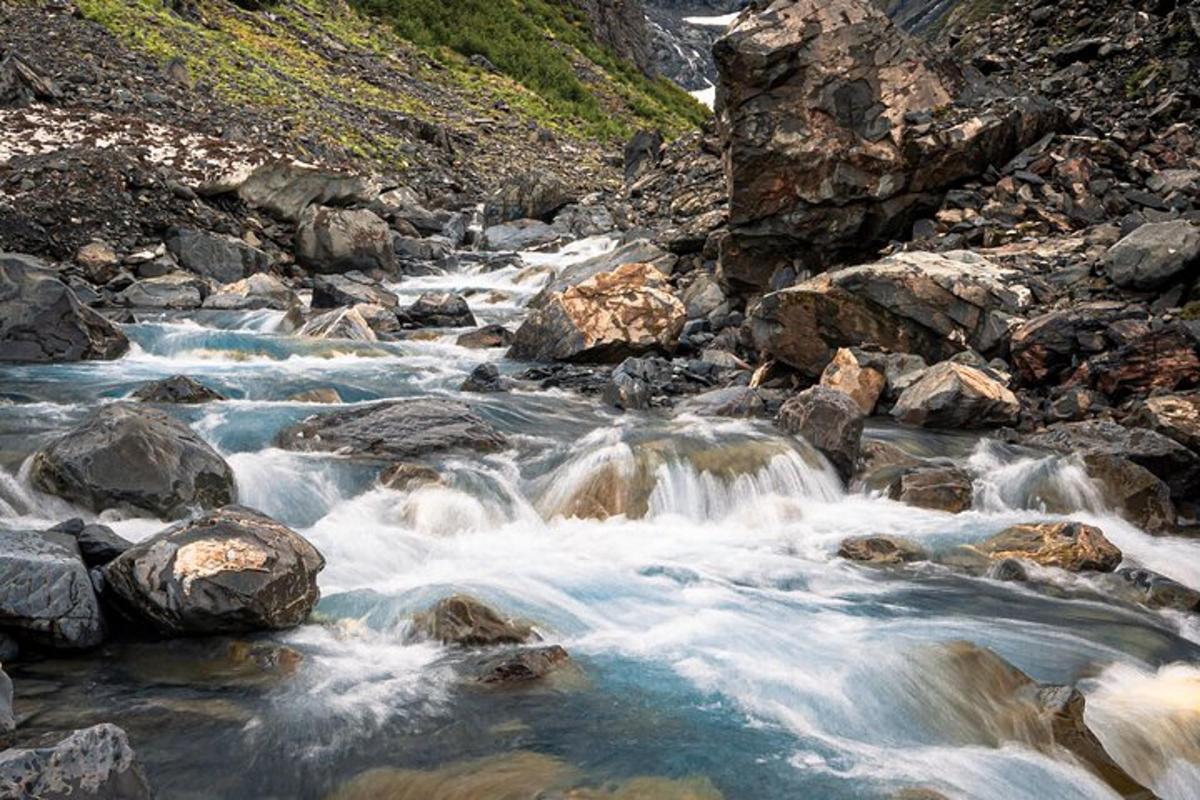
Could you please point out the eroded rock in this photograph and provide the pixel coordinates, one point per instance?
(95, 763)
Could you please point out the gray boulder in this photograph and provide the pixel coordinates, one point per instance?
(398, 430)
(176, 290)
(231, 570)
(580, 221)
(95, 763)
(285, 189)
(46, 596)
(178, 389)
(484, 379)
(341, 240)
(421, 249)
(438, 310)
(256, 292)
(522, 234)
(536, 194)
(952, 395)
(830, 421)
(1154, 255)
(635, 381)
(352, 288)
(131, 456)
(41, 319)
(487, 337)
(218, 257)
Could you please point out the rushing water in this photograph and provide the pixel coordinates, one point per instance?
(687, 564)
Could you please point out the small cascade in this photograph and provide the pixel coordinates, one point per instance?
(1049, 484)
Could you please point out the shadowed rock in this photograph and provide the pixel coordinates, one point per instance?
(828, 420)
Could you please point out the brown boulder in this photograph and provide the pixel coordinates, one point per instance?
(1133, 491)
(463, 621)
(828, 420)
(937, 488)
(1072, 546)
(888, 550)
(1173, 415)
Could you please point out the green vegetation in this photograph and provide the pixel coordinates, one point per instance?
(1139, 80)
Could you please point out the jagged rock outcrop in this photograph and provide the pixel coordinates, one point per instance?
(620, 25)
(839, 131)
(95, 763)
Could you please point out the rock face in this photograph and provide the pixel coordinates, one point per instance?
(536, 194)
(886, 550)
(256, 292)
(397, 430)
(41, 320)
(1067, 545)
(464, 621)
(343, 240)
(285, 189)
(230, 570)
(605, 319)
(934, 304)
(95, 763)
(223, 259)
(1155, 255)
(131, 456)
(830, 145)
(828, 420)
(179, 389)
(46, 595)
(951, 395)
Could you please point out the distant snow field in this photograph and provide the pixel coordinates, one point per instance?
(723, 21)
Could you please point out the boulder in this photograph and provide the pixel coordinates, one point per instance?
(951, 395)
(41, 319)
(352, 288)
(580, 221)
(938, 488)
(98, 544)
(828, 420)
(935, 304)
(885, 550)
(536, 194)
(732, 401)
(1154, 255)
(179, 389)
(830, 147)
(215, 256)
(46, 596)
(437, 310)
(421, 249)
(230, 570)
(341, 323)
(522, 666)
(178, 291)
(643, 152)
(1173, 415)
(638, 251)
(253, 293)
(285, 189)
(485, 338)
(864, 384)
(131, 456)
(95, 763)
(1132, 491)
(463, 621)
(703, 296)
(396, 430)
(342, 240)
(522, 234)
(485, 378)
(100, 263)
(1072, 546)
(383, 322)
(605, 319)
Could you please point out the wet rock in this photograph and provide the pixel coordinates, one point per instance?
(286, 189)
(536, 194)
(485, 378)
(938, 488)
(485, 338)
(330, 240)
(522, 234)
(605, 319)
(406, 476)
(136, 457)
(349, 289)
(227, 571)
(1155, 255)
(438, 310)
(176, 291)
(732, 401)
(935, 304)
(638, 251)
(464, 621)
(396, 430)
(1159, 591)
(94, 763)
(522, 666)
(41, 320)
(253, 293)
(885, 550)
(950, 395)
(217, 257)
(383, 322)
(864, 384)
(46, 596)
(342, 323)
(1010, 570)
(1072, 546)
(1132, 491)
(98, 544)
(1173, 415)
(828, 420)
(179, 389)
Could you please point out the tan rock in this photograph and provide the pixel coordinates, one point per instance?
(1072, 546)
(862, 383)
(99, 261)
(886, 550)
(951, 395)
(341, 323)
(1174, 415)
(464, 621)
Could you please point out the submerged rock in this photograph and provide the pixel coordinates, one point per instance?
(828, 420)
(46, 595)
(396, 430)
(464, 621)
(887, 550)
(41, 319)
(228, 571)
(485, 378)
(406, 476)
(522, 666)
(179, 389)
(1072, 546)
(95, 763)
(951, 395)
(130, 456)
(733, 401)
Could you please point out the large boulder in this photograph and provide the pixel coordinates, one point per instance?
(95, 763)
(134, 457)
(343, 240)
(438, 310)
(46, 596)
(1132, 490)
(952, 395)
(935, 304)
(639, 251)
(830, 145)
(605, 319)
(535, 194)
(176, 290)
(464, 621)
(829, 420)
(1072, 546)
(1154, 255)
(397, 430)
(218, 257)
(231, 570)
(285, 189)
(256, 292)
(938, 488)
(41, 319)
(520, 234)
